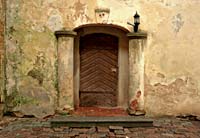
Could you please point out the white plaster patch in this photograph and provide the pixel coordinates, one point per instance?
(37, 27)
(55, 22)
(129, 3)
(51, 1)
(10, 84)
(168, 3)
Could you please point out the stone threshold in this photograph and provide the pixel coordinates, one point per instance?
(127, 121)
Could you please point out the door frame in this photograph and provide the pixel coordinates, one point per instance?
(121, 33)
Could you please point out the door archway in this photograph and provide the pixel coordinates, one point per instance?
(101, 66)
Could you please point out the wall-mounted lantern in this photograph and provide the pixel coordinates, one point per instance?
(136, 22)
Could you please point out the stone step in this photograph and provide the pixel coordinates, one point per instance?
(126, 121)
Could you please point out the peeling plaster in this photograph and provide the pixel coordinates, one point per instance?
(172, 71)
(55, 22)
(174, 98)
(177, 22)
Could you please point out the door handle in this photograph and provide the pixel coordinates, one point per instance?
(114, 70)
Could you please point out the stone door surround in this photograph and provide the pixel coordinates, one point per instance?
(131, 64)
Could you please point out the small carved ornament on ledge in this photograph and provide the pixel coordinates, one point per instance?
(102, 15)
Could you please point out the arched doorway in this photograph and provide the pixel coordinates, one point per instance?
(101, 66)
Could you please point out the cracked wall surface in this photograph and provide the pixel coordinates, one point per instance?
(171, 66)
(2, 50)
(172, 70)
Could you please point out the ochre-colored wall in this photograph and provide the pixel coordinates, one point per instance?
(172, 69)
(2, 25)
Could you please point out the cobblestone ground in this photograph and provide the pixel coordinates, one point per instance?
(163, 128)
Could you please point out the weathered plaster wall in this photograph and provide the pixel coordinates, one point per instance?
(2, 23)
(172, 71)
(31, 59)
(171, 68)
(2, 82)
(31, 50)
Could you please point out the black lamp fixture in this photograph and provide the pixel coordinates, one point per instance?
(136, 22)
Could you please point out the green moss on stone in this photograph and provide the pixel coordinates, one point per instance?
(36, 74)
(22, 100)
(56, 75)
(10, 98)
(15, 99)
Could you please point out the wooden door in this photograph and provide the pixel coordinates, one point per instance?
(98, 70)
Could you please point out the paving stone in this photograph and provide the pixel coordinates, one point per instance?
(54, 136)
(157, 123)
(167, 135)
(44, 136)
(92, 130)
(111, 134)
(35, 124)
(102, 135)
(137, 129)
(37, 129)
(179, 136)
(120, 136)
(141, 134)
(132, 135)
(181, 130)
(150, 130)
(94, 136)
(47, 130)
(116, 127)
(119, 132)
(37, 137)
(133, 129)
(66, 129)
(46, 124)
(73, 133)
(187, 124)
(102, 129)
(178, 129)
(80, 130)
(126, 131)
(161, 130)
(58, 129)
(66, 136)
(191, 135)
(192, 129)
(83, 136)
(155, 136)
